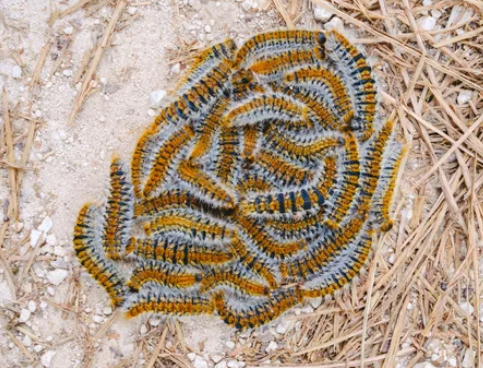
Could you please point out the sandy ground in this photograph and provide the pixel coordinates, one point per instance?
(59, 317)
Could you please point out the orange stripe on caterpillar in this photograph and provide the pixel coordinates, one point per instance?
(259, 313)
(119, 211)
(87, 245)
(165, 157)
(180, 251)
(166, 200)
(235, 276)
(168, 302)
(163, 273)
(206, 184)
(279, 41)
(227, 163)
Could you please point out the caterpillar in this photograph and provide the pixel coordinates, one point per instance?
(87, 239)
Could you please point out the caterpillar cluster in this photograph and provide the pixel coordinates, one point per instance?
(262, 184)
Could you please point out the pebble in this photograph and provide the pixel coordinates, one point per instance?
(321, 14)
(207, 28)
(46, 359)
(427, 2)
(38, 113)
(282, 327)
(107, 311)
(392, 258)
(157, 97)
(69, 30)
(68, 72)
(424, 365)
(17, 72)
(221, 364)
(272, 346)
(51, 240)
(154, 322)
(469, 359)
(436, 13)
(131, 10)
(151, 112)
(46, 224)
(335, 23)
(452, 361)
(56, 277)
(191, 356)
(24, 315)
(315, 302)
(17, 227)
(176, 68)
(216, 358)
(230, 344)
(467, 307)
(27, 341)
(199, 362)
(32, 306)
(463, 97)
(233, 364)
(34, 237)
(98, 319)
(143, 329)
(38, 348)
(427, 23)
(51, 291)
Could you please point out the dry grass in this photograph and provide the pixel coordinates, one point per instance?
(426, 268)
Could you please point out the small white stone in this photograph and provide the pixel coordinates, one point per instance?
(24, 315)
(272, 346)
(467, 307)
(68, 72)
(463, 97)
(51, 240)
(131, 10)
(469, 359)
(56, 277)
(98, 319)
(38, 113)
(43, 305)
(216, 358)
(50, 291)
(409, 306)
(17, 72)
(427, 2)
(157, 97)
(392, 258)
(191, 356)
(282, 327)
(321, 14)
(35, 238)
(207, 28)
(232, 363)
(176, 68)
(424, 365)
(221, 364)
(436, 13)
(315, 302)
(143, 330)
(230, 344)
(46, 225)
(452, 361)
(17, 227)
(46, 359)
(335, 23)
(199, 362)
(427, 23)
(38, 348)
(69, 30)
(107, 311)
(32, 306)
(154, 322)
(151, 112)
(27, 341)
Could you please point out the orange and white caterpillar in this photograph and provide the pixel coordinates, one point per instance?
(88, 248)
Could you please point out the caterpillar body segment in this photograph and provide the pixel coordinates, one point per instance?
(179, 251)
(119, 211)
(173, 198)
(165, 158)
(167, 301)
(162, 273)
(357, 70)
(207, 186)
(348, 189)
(206, 61)
(279, 41)
(88, 248)
(345, 271)
(234, 276)
(264, 107)
(227, 164)
(259, 312)
(327, 84)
